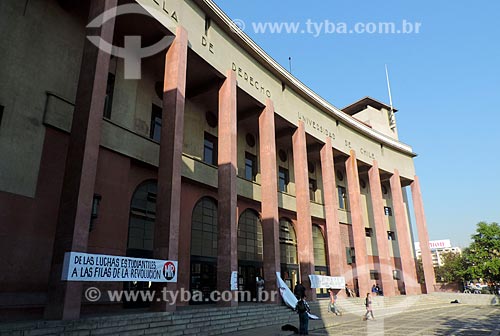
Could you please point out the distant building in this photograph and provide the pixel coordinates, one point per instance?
(438, 248)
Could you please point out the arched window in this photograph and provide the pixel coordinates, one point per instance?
(204, 228)
(250, 245)
(288, 243)
(319, 247)
(142, 218)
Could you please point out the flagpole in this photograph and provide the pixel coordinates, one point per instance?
(391, 115)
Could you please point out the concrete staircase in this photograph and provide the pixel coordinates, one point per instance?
(470, 299)
(188, 321)
(211, 320)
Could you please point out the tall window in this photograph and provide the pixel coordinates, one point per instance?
(108, 100)
(319, 247)
(250, 166)
(250, 242)
(288, 243)
(210, 149)
(342, 197)
(313, 186)
(204, 228)
(391, 235)
(388, 211)
(283, 179)
(155, 127)
(1, 114)
(142, 217)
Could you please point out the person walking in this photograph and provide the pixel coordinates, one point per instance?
(302, 308)
(332, 307)
(368, 305)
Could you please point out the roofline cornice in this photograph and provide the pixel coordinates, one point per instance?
(297, 85)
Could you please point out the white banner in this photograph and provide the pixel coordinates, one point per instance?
(100, 267)
(322, 281)
(287, 295)
(234, 281)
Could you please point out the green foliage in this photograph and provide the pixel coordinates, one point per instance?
(420, 271)
(482, 257)
(453, 268)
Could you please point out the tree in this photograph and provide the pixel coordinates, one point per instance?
(453, 268)
(482, 257)
(420, 271)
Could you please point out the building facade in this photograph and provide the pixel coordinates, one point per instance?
(438, 248)
(200, 149)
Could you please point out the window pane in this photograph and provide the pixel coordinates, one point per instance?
(155, 127)
(204, 229)
(142, 217)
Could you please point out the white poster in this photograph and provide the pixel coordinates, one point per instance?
(286, 293)
(99, 267)
(322, 281)
(234, 281)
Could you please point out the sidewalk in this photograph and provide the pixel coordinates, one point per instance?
(330, 320)
(275, 330)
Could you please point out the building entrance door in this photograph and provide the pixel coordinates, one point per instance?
(134, 298)
(203, 279)
(247, 279)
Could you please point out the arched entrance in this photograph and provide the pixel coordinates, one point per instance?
(141, 234)
(250, 251)
(288, 253)
(204, 247)
(320, 264)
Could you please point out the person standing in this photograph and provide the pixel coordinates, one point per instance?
(369, 309)
(374, 290)
(302, 308)
(260, 288)
(299, 291)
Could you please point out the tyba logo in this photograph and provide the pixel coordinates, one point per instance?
(169, 270)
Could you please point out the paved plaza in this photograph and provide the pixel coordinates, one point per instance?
(453, 320)
(459, 320)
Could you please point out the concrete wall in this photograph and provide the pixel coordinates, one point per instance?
(378, 119)
(42, 50)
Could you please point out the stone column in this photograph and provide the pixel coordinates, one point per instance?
(381, 228)
(270, 217)
(333, 240)
(304, 223)
(423, 235)
(403, 236)
(362, 270)
(72, 230)
(168, 202)
(227, 261)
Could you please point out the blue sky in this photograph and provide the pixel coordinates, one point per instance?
(445, 82)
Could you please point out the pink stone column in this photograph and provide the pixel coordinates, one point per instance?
(304, 223)
(168, 205)
(270, 217)
(423, 235)
(403, 236)
(72, 231)
(381, 228)
(227, 261)
(333, 240)
(361, 270)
